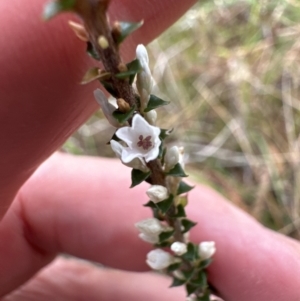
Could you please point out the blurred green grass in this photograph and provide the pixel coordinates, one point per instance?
(231, 71)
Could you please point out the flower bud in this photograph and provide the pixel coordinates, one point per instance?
(144, 81)
(158, 259)
(106, 107)
(151, 117)
(179, 248)
(150, 229)
(157, 193)
(103, 43)
(206, 249)
(172, 157)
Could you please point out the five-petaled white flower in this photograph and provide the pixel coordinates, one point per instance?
(141, 138)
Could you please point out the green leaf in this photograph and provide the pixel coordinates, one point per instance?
(123, 117)
(190, 288)
(165, 205)
(155, 102)
(192, 252)
(109, 88)
(163, 244)
(188, 274)
(137, 177)
(55, 7)
(180, 212)
(184, 188)
(151, 205)
(93, 74)
(176, 171)
(201, 280)
(91, 51)
(182, 200)
(133, 68)
(177, 282)
(165, 235)
(205, 297)
(126, 29)
(164, 133)
(173, 267)
(187, 224)
(205, 263)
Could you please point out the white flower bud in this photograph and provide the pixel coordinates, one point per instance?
(150, 226)
(151, 117)
(157, 193)
(144, 82)
(150, 229)
(206, 249)
(179, 248)
(171, 157)
(158, 259)
(106, 107)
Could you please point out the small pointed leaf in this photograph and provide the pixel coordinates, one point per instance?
(93, 74)
(191, 253)
(133, 68)
(180, 212)
(55, 7)
(155, 102)
(165, 205)
(201, 280)
(109, 88)
(177, 282)
(150, 204)
(123, 117)
(126, 29)
(184, 188)
(190, 288)
(177, 171)
(165, 235)
(187, 224)
(164, 133)
(205, 263)
(173, 267)
(92, 52)
(137, 177)
(205, 297)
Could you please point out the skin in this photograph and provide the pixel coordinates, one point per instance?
(71, 205)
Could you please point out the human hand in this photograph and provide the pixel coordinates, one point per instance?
(66, 206)
(71, 205)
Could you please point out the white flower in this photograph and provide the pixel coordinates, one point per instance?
(142, 140)
(206, 249)
(150, 229)
(106, 107)
(179, 248)
(144, 81)
(172, 157)
(136, 163)
(157, 193)
(158, 259)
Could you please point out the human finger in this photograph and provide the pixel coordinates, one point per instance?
(71, 205)
(68, 279)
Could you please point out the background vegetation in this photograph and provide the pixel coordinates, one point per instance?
(231, 71)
